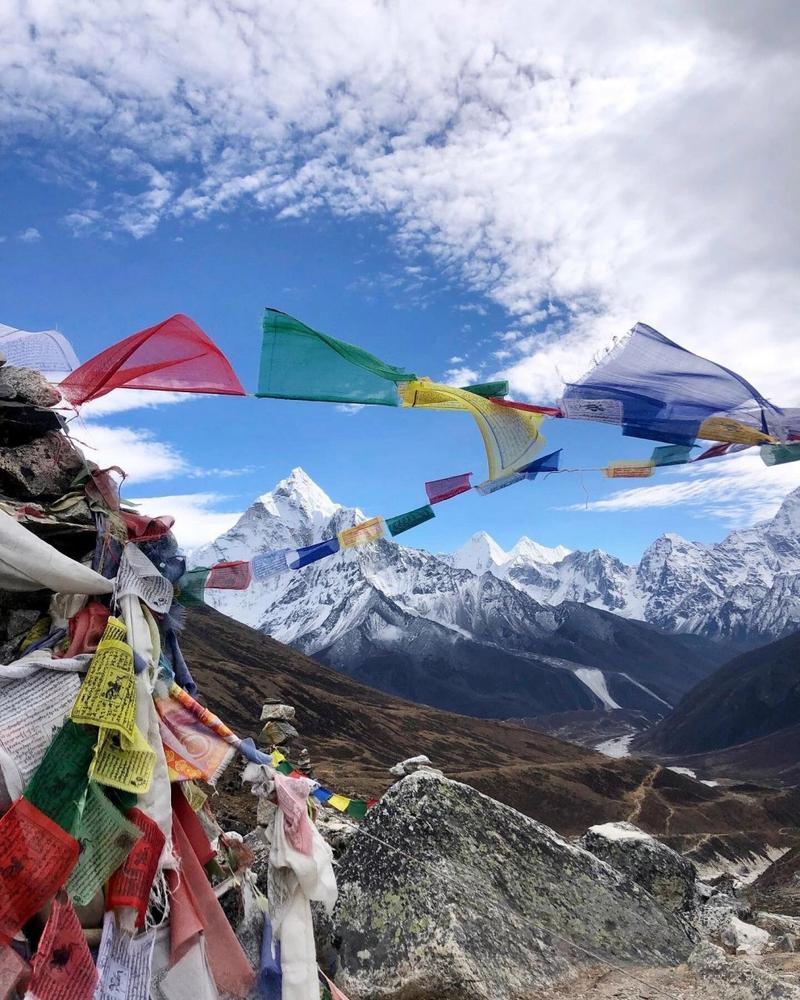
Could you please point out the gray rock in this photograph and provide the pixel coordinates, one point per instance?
(41, 469)
(25, 385)
(474, 901)
(738, 980)
(663, 872)
(284, 713)
(410, 765)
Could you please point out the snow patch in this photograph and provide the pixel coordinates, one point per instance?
(595, 680)
(619, 831)
(617, 747)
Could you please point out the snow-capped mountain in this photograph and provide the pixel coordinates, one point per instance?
(454, 636)
(745, 588)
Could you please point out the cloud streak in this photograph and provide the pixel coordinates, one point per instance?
(583, 169)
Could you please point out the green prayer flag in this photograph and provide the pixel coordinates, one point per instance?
(357, 808)
(58, 785)
(105, 838)
(488, 389)
(402, 522)
(300, 363)
(672, 454)
(780, 454)
(190, 589)
(284, 767)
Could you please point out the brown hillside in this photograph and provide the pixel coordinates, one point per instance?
(355, 733)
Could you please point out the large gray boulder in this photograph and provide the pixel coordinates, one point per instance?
(42, 469)
(665, 874)
(447, 893)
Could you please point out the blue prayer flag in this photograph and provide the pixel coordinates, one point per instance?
(311, 553)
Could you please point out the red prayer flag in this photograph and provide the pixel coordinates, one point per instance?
(142, 528)
(512, 404)
(444, 489)
(131, 883)
(230, 576)
(36, 856)
(174, 355)
(62, 966)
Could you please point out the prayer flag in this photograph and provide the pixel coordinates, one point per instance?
(12, 969)
(126, 766)
(190, 589)
(340, 802)
(780, 454)
(106, 839)
(124, 963)
(107, 697)
(362, 534)
(46, 351)
(357, 809)
(489, 390)
(438, 490)
(174, 355)
(267, 564)
(513, 404)
(205, 750)
(633, 469)
(322, 794)
(671, 454)
(130, 884)
(548, 463)
(493, 485)
(269, 984)
(230, 576)
(63, 968)
(37, 857)
(59, 783)
(300, 363)
(311, 553)
(732, 431)
(511, 437)
(404, 522)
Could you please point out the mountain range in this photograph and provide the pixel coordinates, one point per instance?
(478, 631)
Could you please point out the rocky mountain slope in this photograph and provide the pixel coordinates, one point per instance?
(355, 733)
(756, 695)
(745, 588)
(416, 625)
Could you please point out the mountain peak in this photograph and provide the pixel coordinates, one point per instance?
(530, 551)
(480, 554)
(298, 498)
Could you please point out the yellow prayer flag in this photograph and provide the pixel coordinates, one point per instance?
(731, 431)
(340, 802)
(629, 469)
(512, 438)
(362, 534)
(277, 757)
(107, 697)
(123, 764)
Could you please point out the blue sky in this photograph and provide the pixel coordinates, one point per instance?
(434, 202)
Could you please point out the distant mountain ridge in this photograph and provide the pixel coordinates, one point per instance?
(416, 625)
(745, 588)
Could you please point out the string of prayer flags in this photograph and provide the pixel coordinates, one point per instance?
(59, 784)
(311, 553)
(124, 963)
(174, 355)
(107, 697)
(671, 454)
(629, 469)
(340, 802)
(489, 390)
(404, 522)
(362, 534)
(37, 857)
(357, 808)
(63, 968)
(659, 390)
(267, 564)
(130, 884)
(300, 363)
(106, 839)
(511, 437)
(215, 724)
(780, 454)
(438, 490)
(126, 766)
(230, 576)
(547, 463)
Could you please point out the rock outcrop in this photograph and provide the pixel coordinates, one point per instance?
(447, 893)
(664, 873)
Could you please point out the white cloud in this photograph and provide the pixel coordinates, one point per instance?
(585, 167)
(737, 488)
(143, 457)
(122, 400)
(30, 235)
(461, 376)
(350, 408)
(196, 523)
(456, 360)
